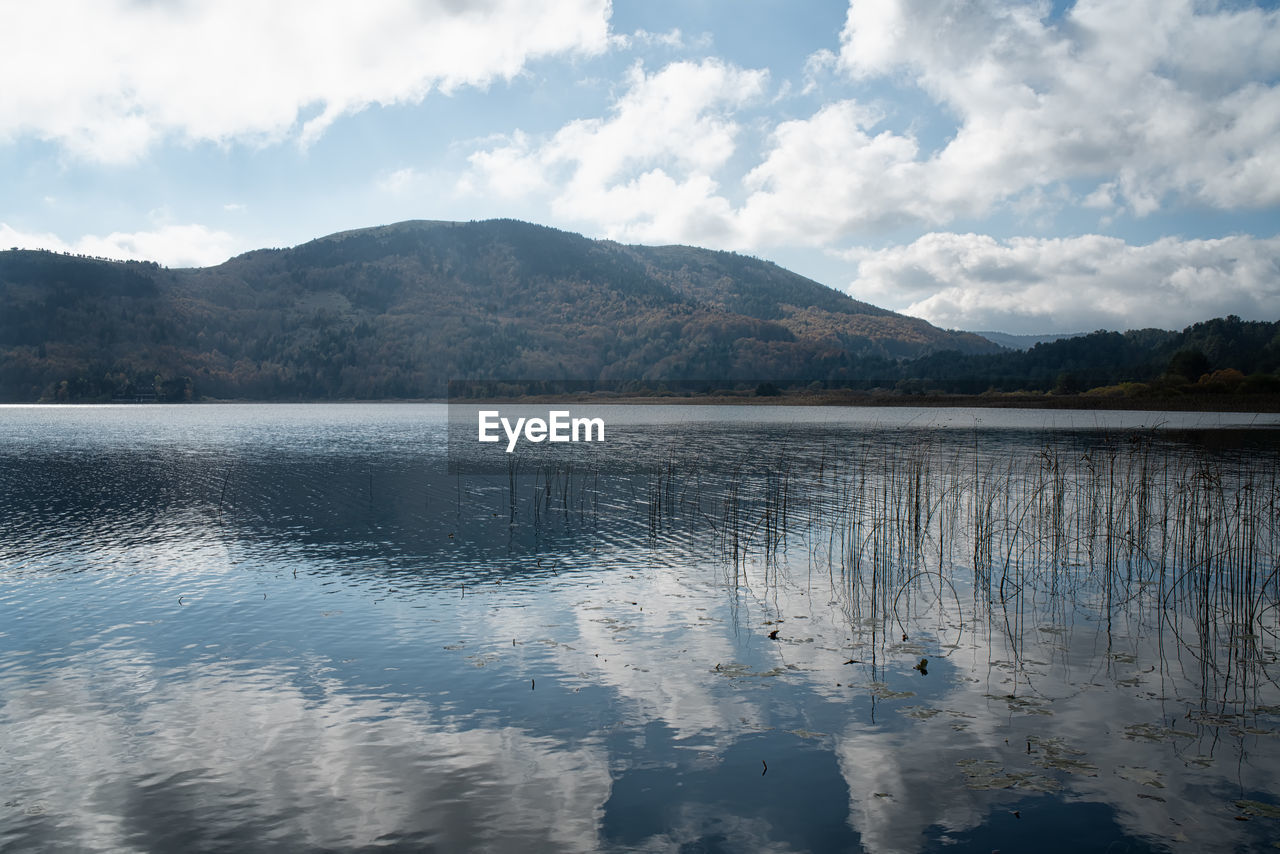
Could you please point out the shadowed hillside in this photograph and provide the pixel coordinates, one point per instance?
(397, 311)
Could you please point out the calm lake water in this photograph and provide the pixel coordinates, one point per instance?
(236, 627)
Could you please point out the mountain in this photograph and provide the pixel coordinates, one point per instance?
(397, 311)
(1025, 342)
(1225, 354)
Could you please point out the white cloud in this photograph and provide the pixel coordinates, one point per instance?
(645, 172)
(356, 762)
(972, 281)
(830, 174)
(672, 39)
(106, 80)
(1114, 107)
(1152, 98)
(1146, 102)
(171, 245)
(509, 171)
(400, 181)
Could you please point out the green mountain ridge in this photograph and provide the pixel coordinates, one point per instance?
(1024, 342)
(397, 311)
(1222, 355)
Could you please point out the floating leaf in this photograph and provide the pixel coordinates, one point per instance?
(920, 713)
(881, 691)
(1026, 705)
(1152, 732)
(1258, 808)
(1214, 718)
(1054, 753)
(1142, 776)
(984, 774)
(742, 671)
(804, 733)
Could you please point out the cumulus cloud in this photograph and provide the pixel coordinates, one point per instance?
(830, 174)
(1119, 108)
(1143, 103)
(355, 766)
(105, 80)
(672, 39)
(1149, 99)
(189, 245)
(1031, 285)
(644, 172)
(400, 181)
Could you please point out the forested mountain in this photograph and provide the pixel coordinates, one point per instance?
(397, 311)
(1223, 354)
(1023, 342)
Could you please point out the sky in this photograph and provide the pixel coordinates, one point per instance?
(985, 165)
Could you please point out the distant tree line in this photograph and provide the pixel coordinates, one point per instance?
(1220, 355)
(397, 312)
(1224, 355)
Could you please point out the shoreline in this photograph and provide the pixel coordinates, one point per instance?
(1267, 403)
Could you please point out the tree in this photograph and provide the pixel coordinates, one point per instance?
(1189, 363)
(1066, 384)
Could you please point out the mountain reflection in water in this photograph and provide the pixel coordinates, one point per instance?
(239, 627)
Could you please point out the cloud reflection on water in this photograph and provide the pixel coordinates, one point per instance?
(384, 694)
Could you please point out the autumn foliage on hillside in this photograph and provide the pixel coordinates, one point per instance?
(398, 311)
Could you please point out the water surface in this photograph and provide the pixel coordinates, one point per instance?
(289, 627)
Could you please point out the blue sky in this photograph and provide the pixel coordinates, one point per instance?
(985, 165)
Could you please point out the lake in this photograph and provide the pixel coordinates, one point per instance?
(298, 628)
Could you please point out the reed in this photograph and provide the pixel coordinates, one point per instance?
(1109, 521)
(1112, 516)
